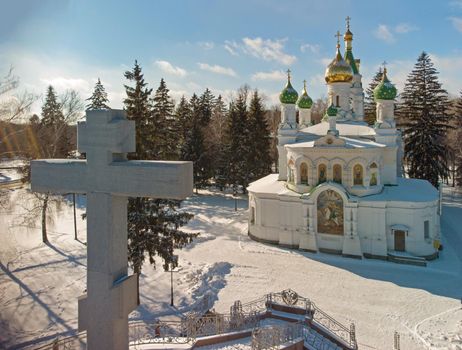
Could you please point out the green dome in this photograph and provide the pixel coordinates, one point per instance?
(385, 90)
(304, 101)
(331, 111)
(288, 95)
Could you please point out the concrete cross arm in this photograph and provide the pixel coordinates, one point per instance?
(156, 179)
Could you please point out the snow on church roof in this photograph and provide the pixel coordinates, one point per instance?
(346, 128)
(407, 190)
(349, 143)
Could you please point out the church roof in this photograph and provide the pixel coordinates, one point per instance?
(349, 143)
(347, 128)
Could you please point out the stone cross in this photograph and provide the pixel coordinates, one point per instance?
(108, 179)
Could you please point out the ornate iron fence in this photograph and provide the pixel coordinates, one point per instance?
(272, 337)
(159, 332)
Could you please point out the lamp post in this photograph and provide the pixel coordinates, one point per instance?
(173, 263)
(235, 198)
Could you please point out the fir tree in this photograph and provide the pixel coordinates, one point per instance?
(458, 140)
(369, 102)
(206, 102)
(236, 139)
(52, 114)
(138, 108)
(215, 138)
(193, 148)
(424, 119)
(182, 114)
(153, 224)
(259, 158)
(98, 100)
(165, 129)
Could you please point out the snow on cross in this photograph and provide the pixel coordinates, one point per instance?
(108, 179)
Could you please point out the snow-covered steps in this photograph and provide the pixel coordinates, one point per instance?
(407, 259)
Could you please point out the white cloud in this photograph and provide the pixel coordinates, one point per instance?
(456, 23)
(456, 3)
(167, 67)
(268, 50)
(62, 83)
(275, 75)
(405, 28)
(206, 45)
(384, 33)
(450, 68)
(231, 47)
(313, 48)
(217, 69)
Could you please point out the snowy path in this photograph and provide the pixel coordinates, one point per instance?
(39, 284)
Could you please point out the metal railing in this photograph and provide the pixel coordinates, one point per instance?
(241, 317)
(272, 337)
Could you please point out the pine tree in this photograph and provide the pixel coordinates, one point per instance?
(165, 128)
(98, 100)
(52, 114)
(236, 139)
(458, 142)
(193, 148)
(153, 224)
(369, 102)
(424, 119)
(138, 108)
(259, 158)
(206, 102)
(182, 114)
(215, 138)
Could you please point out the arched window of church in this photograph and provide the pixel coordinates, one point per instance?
(373, 181)
(322, 173)
(291, 174)
(337, 100)
(337, 173)
(304, 174)
(358, 175)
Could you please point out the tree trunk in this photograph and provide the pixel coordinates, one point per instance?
(44, 220)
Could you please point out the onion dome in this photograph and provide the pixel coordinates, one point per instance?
(289, 94)
(349, 58)
(331, 111)
(304, 101)
(385, 90)
(338, 71)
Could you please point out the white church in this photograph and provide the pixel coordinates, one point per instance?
(340, 187)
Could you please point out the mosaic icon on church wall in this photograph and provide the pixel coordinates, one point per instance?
(330, 213)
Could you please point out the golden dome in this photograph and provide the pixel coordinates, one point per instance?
(348, 36)
(338, 71)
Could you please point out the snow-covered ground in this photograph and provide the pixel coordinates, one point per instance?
(39, 284)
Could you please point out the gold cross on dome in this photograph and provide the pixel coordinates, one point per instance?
(384, 64)
(288, 74)
(338, 35)
(348, 18)
(304, 83)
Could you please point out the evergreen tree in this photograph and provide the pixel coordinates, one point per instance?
(98, 100)
(215, 138)
(52, 114)
(165, 128)
(193, 148)
(182, 114)
(206, 102)
(153, 224)
(138, 108)
(369, 102)
(259, 158)
(424, 119)
(236, 139)
(458, 140)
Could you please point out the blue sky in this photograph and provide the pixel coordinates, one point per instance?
(221, 44)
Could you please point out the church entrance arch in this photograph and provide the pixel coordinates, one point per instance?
(330, 212)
